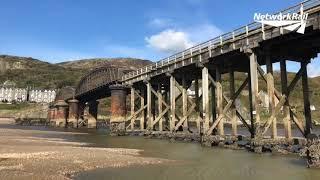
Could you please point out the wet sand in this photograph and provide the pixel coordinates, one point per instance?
(45, 154)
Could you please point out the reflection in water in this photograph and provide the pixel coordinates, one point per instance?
(196, 162)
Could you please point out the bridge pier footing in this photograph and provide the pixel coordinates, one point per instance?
(73, 113)
(118, 109)
(81, 109)
(93, 114)
(61, 113)
(312, 152)
(51, 113)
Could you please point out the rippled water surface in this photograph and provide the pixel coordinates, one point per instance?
(196, 162)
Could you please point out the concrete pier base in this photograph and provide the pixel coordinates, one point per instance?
(73, 123)
(312, 151)
(51, 113)
(61, 113)
(275, 146)
(92, 123)
(93, 114)
(73, 113)
(117, 128)
(118, 109)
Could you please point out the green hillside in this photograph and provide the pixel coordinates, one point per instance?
(31, 72)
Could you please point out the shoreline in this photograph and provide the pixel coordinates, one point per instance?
(301, 147)
(281, 146)
(46, 154)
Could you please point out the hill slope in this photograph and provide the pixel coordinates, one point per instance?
(127, 63)
(26, 71)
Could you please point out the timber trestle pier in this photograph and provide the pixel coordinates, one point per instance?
(194, 94)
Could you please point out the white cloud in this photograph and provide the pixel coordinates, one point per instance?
(160, 23)
(313, 71)
(313, 67)
(164, 43)
(174, 40)
(203, 32)
(169, 41)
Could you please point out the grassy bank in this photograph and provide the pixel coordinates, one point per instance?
(24, 110)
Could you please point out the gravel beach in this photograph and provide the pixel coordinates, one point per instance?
(37, 154)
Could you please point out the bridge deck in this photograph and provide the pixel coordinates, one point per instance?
(231, 44)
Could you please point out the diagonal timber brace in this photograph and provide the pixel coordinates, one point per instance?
(131, 117)
(279, 96)
(228, 106)
(187, 112)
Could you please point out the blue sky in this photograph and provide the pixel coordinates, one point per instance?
(60, 30)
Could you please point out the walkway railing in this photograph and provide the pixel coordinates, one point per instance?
(240, 33)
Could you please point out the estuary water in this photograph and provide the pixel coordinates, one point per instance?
(194, 162)
(190, 161)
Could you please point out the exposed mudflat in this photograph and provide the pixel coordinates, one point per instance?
(39, 154)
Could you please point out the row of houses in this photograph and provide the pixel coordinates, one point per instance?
(10, 95)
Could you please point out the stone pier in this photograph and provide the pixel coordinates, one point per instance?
(73, 113)
(93, 114)
(312, 151)
(81, 108)
(118, 109)
(51, 113)
(61, 113)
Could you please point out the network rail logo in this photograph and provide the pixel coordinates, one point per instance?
(289, 21)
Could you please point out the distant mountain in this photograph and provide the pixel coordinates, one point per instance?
(27, 71)
(126, 63)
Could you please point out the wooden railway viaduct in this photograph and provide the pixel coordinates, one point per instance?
(159, 101)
